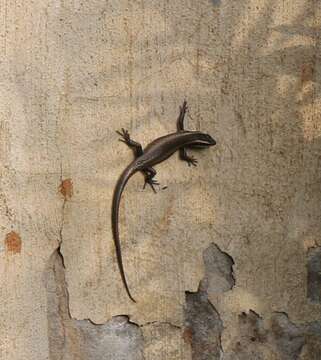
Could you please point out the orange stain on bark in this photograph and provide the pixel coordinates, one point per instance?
(188, 335)
(66, 188)
(307, 72)
(13, 243)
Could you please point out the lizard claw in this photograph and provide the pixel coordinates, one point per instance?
(152, 186)
(191, 161)
(125, 137)
(151, 182)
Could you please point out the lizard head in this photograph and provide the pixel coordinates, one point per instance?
(204, 141)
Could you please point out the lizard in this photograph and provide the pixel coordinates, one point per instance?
(154, 153)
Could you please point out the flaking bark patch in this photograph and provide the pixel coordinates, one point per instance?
(203, 327)
(219, 276)
(71, 339)
(314, 275)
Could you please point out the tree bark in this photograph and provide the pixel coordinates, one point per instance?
(224, 260)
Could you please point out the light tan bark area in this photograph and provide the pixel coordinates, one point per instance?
(124, 58)
(72, 73)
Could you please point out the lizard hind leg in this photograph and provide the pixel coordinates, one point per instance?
(149, 175)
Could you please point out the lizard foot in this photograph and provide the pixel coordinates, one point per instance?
(191, 161)
(125, 137)
(151, 182)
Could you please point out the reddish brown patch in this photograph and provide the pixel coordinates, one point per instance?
(307, 71)
(188, 335)
(13, 243)
(66, 188)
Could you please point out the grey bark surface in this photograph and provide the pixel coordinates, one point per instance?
(236, 240)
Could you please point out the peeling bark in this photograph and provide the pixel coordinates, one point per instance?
(71, 339)
(314, 275)
(203, 327)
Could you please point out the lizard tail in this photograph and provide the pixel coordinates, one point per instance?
(122, 181)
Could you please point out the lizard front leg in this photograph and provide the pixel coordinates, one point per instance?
(181, 116)
(189, 159)
(149, 174)
(180, 127)
(135, 146)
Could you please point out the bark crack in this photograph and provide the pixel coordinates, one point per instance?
(160, 323)
(72, 337)
(62, 211)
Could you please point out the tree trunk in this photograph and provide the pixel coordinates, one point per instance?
(225, 260)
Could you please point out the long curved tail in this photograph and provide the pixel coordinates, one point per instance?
(122, 181)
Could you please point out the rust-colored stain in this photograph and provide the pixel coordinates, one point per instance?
(307, 71)
(66, 188)
(13, 243)
(188, 335)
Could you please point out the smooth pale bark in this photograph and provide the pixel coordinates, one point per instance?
(72, 73)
